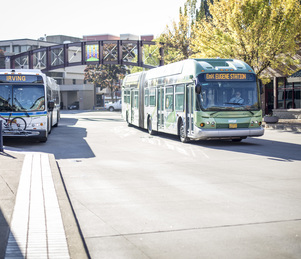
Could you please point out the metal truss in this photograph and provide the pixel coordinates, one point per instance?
(136, 53)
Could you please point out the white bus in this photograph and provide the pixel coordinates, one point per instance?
(195, 99)
(29, 103)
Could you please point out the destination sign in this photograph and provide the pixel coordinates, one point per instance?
(21, 79)
(229, 77)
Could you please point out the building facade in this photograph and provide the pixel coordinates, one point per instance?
(71, 79)
(282, 95)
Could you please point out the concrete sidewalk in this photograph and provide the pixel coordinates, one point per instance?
(36, 219)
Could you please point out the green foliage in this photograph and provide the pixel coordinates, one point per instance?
(177, 38)
(151, 56)
(2, 59)
(263, 33)
(203, 12)
(105, 76)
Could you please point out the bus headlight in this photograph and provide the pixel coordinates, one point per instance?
(37, 124)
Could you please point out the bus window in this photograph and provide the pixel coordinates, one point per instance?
(136, 99)
(169, 99)
(5, 98)
(146, 97)
(28, 98)
(126, 96)
(152, 97)
(179, 102)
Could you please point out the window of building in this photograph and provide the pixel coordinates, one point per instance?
(281, 93)
(288, 96)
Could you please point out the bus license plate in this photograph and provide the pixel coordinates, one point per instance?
(232, 125)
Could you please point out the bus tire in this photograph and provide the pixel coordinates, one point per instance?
(127, 119)
(49, 126)
(150, 126)
(182, 135)
(43, 139)
(238, 139)
(57, 120)
(44, 136)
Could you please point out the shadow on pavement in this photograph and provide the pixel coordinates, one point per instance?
(65, 141)
(4, 154)
(15, 251)
(274, 150)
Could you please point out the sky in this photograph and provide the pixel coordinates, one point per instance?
(33, 19)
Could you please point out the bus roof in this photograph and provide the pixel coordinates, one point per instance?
(22, 71)
(218, 64)
(195, 67)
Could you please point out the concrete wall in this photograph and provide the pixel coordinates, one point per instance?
(82, 93)
(287, 113)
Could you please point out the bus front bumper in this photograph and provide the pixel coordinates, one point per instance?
(227, 133)
(23, 133)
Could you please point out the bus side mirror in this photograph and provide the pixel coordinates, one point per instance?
(198, 87)
(50, 105)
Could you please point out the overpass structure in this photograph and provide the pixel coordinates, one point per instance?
(145, 54)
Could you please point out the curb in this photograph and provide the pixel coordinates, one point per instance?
(76, 243)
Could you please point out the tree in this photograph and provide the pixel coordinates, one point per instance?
(177, 38)
(263, 33)
(151, 56)
(2, 59)
(203, 11)
(104, 76)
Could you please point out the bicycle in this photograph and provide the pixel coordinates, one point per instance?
(14, 124)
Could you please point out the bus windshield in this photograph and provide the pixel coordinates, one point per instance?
(14, 98)
(227, 95)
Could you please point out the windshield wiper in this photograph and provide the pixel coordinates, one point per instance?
(243, 107)
(234, 103)
(20, 106)
(249, 111)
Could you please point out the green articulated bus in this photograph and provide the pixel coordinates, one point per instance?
(195, 99)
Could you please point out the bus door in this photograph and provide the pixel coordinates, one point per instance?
(189, 108)
(169, 114)
(160, 105)
(134, 107)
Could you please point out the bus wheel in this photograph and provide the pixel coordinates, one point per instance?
(183, 138)
(127, 119)
(238, 139)
(43, 139)
(150, 126)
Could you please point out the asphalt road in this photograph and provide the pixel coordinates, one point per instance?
(141, 196)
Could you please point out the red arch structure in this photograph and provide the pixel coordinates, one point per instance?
(145, 54)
